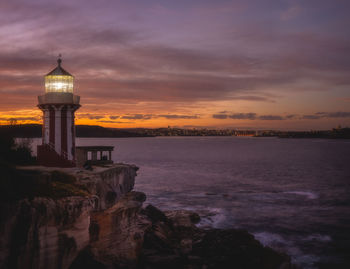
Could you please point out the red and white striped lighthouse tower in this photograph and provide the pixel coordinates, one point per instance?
(58, 105)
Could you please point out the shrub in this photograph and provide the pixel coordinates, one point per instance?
(15, 153)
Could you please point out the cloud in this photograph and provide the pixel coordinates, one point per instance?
(319, 115)
(114, 117)
(253, 98)
(112, 121)
(255, 116)
(163, 73)
(271, 117)
(338, 115)
(311, 117)
(154, 116)
(243, 116)
(121, 54)
(247, 116)
(292, 12)
(95, 117)
(20, 118)
(175, 116)
(137, 117)
(90, 116)
(220, 116)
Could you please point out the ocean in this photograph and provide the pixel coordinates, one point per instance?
(292, 194)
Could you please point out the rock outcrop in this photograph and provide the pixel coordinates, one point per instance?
(128, 235)
(43, 233)
(106, 225)
(48, 231)
(108, 184)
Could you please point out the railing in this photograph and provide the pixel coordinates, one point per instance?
(51, 145)
(50, 157)
(63, 154)
(59, 98)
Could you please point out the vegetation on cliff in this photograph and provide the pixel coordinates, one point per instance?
(17, 183)
(12, 153)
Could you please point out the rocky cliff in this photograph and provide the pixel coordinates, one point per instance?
(107, 226)
(48, 229)
(129, 235)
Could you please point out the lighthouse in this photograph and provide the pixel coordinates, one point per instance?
(58, 105)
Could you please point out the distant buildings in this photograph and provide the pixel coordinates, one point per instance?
(192, 132)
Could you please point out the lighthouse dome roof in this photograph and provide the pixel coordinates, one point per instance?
(59, 71)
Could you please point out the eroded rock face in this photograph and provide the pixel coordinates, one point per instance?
(48, 233)
(105, 230)
(130, 236)
(117, 234)
(43, 233)
(109, 184)
(183, 218)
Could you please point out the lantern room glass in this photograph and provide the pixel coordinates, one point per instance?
(59, 83)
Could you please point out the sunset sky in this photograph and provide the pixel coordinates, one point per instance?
(261, 64)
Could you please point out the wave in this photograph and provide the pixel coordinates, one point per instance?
(211, 218)
(318, 237)
(268, 239)
(279, 243)
(307, 194)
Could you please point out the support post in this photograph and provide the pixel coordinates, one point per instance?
(94, 155)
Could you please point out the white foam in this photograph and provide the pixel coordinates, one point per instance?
(318, 237)
(307, 194)
(278, 243)
(305, 261)
(212, 217)
(268, 239)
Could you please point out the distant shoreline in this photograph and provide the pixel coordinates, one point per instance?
(94, 131)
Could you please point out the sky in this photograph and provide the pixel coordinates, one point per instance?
(245, 64)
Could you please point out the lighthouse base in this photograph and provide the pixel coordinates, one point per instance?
(49, 157)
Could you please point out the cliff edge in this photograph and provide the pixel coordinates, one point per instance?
(45, 219)
(92, 219)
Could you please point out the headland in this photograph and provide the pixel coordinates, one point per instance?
(75, 218)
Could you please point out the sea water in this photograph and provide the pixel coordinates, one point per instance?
(292, 194)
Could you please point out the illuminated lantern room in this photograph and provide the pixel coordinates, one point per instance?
(58, 105)
(59, 80)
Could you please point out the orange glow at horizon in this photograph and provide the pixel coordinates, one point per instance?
(159, 120)
(219, 66)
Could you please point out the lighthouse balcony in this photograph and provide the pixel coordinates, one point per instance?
(59, 98)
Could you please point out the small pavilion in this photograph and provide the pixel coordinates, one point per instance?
(94, 155)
